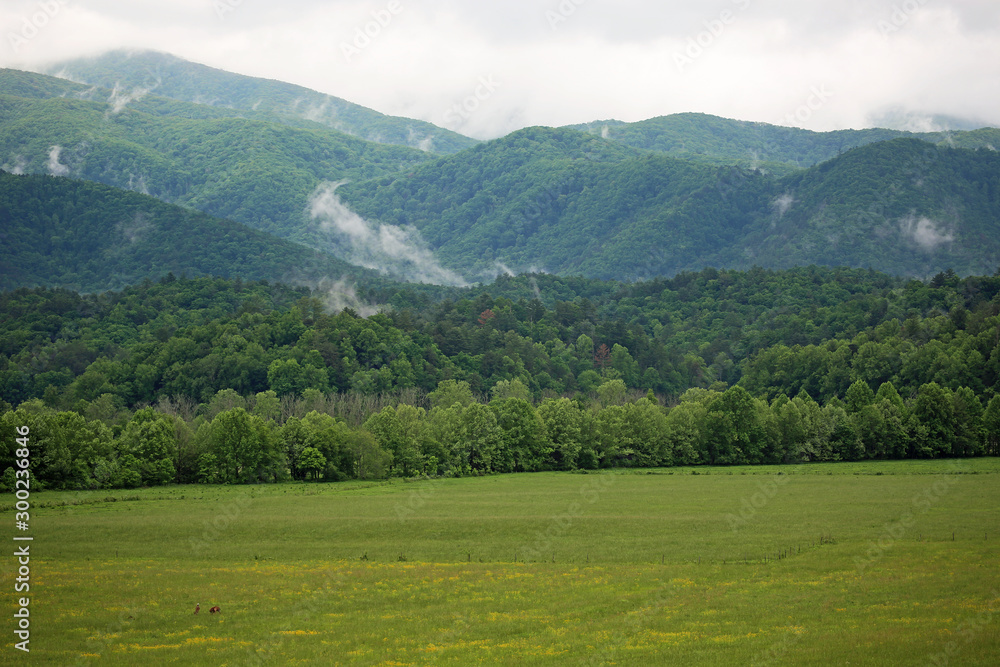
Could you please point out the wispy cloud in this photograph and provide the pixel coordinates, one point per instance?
(120, 98)
(782, 204)
(398, 251)
(19, 166)
(55, 167)
(924, 232)
(336, 295)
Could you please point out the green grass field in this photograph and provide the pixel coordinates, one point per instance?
(881, 563)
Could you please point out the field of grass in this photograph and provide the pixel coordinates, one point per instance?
(879, 563)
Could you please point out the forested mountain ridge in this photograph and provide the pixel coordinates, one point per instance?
(776, 148)
(567, 202)
(540, 199)
(903, 206)
(256, 172)
(88, 237)
(169, 76)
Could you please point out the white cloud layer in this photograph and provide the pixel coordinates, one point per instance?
(563, 61)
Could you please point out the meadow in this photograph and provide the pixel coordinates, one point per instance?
(878, 563)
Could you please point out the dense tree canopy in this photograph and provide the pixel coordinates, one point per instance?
(218, 380)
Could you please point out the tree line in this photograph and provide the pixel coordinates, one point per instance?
(235, 440)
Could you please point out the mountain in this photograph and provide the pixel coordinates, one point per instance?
(551, 199)
(88, 237)
(901, 118)
(778, 149)
(257, 172)
(903, 207)
(640, 200)
(573, 203)
(144, 72)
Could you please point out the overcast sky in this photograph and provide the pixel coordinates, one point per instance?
(485, 69)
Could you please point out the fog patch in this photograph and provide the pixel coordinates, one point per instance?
(782, 204)
(319, 113)
(134, 230)
(426, 144)
(400, 252)
(120, 98)
(18, 168)
(337, 295)
(55, 167)
(137, 184)
(924, 232)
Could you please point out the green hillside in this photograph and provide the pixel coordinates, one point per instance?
(256, 172)
(573, 203)
(903, 207)
(245, 96)
(541, 199)
(779, 149)
(88, 237)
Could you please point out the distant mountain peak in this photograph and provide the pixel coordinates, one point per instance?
(176, 78)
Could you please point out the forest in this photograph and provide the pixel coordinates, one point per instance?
(220, 380)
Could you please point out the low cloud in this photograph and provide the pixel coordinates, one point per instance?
(924, 232)
(138, 183)
(602, 60)
(55, 167)
(782, 204)
(134, 230)
(336, 295)
(19, 166)
(397, 251)
(417, 140)
(120, 98)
